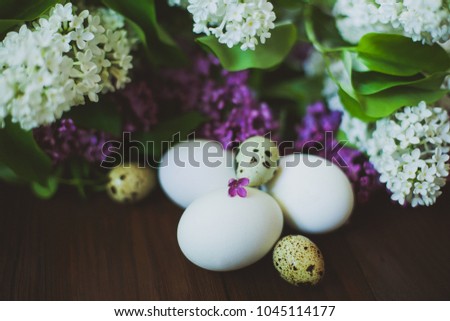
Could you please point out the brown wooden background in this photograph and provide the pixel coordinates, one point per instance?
(70, 249)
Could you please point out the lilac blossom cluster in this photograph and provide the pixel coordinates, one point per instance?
(63, 140)
(225, 97)
(139, 107)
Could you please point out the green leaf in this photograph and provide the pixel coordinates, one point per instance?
(386, 102)
(354, 108)
(103, 116)
(7, 175)
(320, 28)
(324, 24)
(370, 108)
(19, 152)
(325, 4)
(265, 56)
(347, 94)
(368, 83)
(24, 9)
(14, 13)
(288, 4)
(346, 82)
(178, 128)
(433, 82)
(6, 25)
(400, 56)
(141, 15)
(371, 95)
(302, 91)
(46, 190)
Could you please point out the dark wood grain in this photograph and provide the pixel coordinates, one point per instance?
(70, 249)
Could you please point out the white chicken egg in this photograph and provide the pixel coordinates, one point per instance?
(194, 168)
(222, 233)
(314, 194)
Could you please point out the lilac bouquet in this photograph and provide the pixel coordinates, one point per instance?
(367, 87)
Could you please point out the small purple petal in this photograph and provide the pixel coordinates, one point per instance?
(236, 187)
(242, 192)
(243, 181)
(232, 192)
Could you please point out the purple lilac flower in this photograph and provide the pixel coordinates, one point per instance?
(183, 87)
(362, 174)
(139, 108)
(315, 124)
(313, 136)
(237, 187)
(63, 140)
(299, 54)
(223, 96)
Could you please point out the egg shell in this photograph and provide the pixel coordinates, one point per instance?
(130, 183)
(298, 260)
(256, 160)
(314, 194)
(188, 171)
(222, 233)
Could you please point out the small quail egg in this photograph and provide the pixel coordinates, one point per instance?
(257, 160)
(298, 260)
(129, 183)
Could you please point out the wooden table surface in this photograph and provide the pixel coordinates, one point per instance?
(70, 249)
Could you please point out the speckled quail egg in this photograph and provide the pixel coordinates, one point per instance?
(257, 160)
(298, 260)
(130, 183)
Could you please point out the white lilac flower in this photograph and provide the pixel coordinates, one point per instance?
(56, 63)
(234, 22)
(314, 65)
(427, 21)
(357, 132)
(412, 160)
(109, 19)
